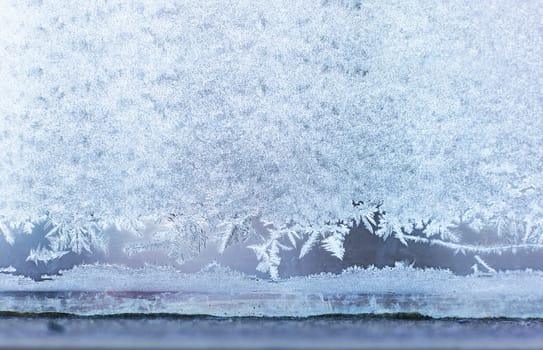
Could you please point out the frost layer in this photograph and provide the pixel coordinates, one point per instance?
(201, 116)
(102, 290)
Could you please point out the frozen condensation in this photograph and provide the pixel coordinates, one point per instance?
(198, 121)
(104, 289)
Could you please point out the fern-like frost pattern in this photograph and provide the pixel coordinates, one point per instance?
(281, 125)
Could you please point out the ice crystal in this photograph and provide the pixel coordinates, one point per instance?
(120, 113)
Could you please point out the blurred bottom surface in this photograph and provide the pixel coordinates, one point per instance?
(27, 331)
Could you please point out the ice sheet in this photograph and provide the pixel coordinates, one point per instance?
(99, 290)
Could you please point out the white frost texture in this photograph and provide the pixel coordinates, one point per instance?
(197, 119)
(105, 290)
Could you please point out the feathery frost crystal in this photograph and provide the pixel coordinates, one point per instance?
(190, 123)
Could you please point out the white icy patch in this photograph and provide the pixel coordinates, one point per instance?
(9, 269)
(212, 113)
(219, 291)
